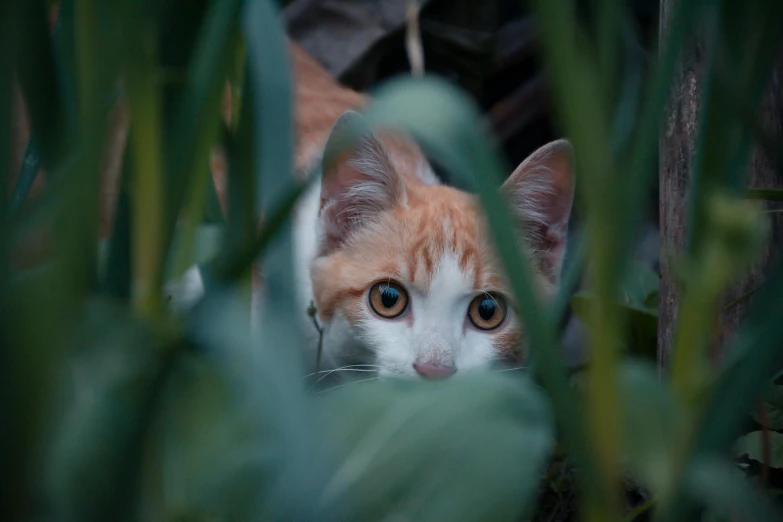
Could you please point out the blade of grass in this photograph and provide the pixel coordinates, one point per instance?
(724, 145)
(196, 121)
(572, 275)
(38, 76)
(79, 224)
(571, 65)
(117, 273)
(611, 16)
(242, 213)
(764, 194)
(30, 166)
(147, 211)
(237, 265)
(12, 416)
(273, 141)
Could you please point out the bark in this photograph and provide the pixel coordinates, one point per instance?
(677, 146)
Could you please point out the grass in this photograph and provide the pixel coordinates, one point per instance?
(115, 408)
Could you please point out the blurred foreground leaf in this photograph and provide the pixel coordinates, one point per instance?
(654, 425)
(722, 488)
(109, 393)
(276, 464)
(472, 448)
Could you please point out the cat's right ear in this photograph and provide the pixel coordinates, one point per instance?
(358, 180)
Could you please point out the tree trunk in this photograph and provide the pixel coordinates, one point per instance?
(677, 147)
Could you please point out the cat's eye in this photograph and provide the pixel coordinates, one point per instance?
(487, 311)
(388, 299)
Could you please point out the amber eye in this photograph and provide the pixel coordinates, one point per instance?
(388, 299)
(487, 311)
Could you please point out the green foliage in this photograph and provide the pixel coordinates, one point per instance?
(114, 407)
(752, 446)
(638, 302)
(773, 403)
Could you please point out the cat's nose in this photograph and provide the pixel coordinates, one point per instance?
(434, 371)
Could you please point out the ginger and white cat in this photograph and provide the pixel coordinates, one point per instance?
(399, 266)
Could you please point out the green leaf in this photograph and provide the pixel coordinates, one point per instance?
(110, 392)
(195, 124)
(639, 286)
(45, 99)
(207, 240)
(654, 428)
(31, 163)
(766, 194)
(773, 402)
(752, 446)
(462, 450)
(722, 488)
(753, 359)
(209, 458)
(280, 462)
(641, 337)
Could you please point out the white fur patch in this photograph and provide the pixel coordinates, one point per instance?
(185, 291)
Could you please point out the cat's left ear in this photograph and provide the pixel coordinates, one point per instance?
(540, 193)
(358, 180)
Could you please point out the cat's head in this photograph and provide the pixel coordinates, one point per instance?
(406, 269)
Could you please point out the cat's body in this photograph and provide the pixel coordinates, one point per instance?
(398, 266)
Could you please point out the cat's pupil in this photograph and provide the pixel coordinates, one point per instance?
(389, 297)
(486, 309)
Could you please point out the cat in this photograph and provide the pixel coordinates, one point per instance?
(398, 266)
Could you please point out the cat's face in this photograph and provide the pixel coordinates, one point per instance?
(407, 279)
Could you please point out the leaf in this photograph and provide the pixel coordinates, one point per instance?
(195, 124)
(211, 457)
(641, 323)
(766, 194)
(465, 449)
(752, 446)
(280, 462)
(654, 427)
(639, 304)
(721, 487)
(773, 402)
(640, 284)
(753, 359)
(206, 245)
(30, 166)
(109, 390)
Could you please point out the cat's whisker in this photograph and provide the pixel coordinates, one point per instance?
(346, 384)
(330, 372)
(349, 367)
(358, 370)
(512, 369)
